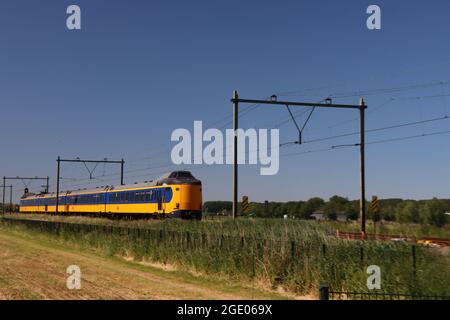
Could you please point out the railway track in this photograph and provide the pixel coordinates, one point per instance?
(429, 241)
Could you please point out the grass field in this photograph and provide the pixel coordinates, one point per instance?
(32, 267)
(293, 256)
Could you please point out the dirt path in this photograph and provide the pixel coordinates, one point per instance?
(32, 268)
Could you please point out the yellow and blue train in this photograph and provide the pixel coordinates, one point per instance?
(177, 194)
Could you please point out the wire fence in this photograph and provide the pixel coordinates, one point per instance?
(326, 294)
(193, 239)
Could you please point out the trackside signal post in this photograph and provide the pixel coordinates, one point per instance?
(361, 107)
(59, 160)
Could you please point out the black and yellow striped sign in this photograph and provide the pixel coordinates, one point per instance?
(244, 205)
(374, 204)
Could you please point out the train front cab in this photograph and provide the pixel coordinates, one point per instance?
(187, 201)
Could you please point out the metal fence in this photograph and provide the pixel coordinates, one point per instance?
(326, 294)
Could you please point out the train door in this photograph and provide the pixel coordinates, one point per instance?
(66, 203)
(163, 199)
(159, 197)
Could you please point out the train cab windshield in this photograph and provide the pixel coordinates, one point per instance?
(181, 174)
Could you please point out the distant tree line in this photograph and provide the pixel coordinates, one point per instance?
(406, 211)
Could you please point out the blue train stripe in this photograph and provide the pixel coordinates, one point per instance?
(110, 197)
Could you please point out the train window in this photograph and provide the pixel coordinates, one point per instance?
(132, 194)
(147, 196)
(184, 174)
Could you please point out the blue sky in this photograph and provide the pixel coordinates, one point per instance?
(140, 69)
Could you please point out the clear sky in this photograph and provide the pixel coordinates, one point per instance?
(140, 69)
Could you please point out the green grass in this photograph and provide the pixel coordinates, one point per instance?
(295, 255)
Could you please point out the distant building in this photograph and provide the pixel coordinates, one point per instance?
(320, 216)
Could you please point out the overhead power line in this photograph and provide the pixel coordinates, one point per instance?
(332, 148)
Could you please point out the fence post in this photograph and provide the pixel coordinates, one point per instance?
(204, 240)
(413, 248)
(160, 236)
(188, 239)
(324, 293)
(361, 252)
(293, 250)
